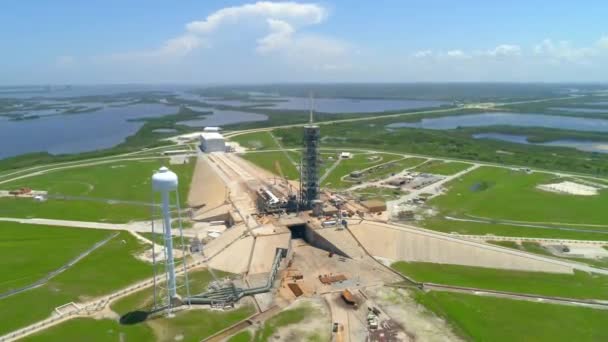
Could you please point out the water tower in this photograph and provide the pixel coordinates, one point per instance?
(165, 182)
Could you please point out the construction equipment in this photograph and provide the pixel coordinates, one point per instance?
(292, 200)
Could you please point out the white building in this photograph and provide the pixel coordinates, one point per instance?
(211, 129)
(212, 142)
(346, 155)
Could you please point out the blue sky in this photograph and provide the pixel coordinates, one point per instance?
(187, 41)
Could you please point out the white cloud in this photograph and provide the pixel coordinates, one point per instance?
(563, 51)
(456, 54)
(602, 43)
(422, 53)
(280, 35)
(505, 50)
(304, 14)
(283, 20)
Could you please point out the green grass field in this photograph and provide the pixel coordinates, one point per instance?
(194, 325)
(198, 279)
(442, 168)
(256, 141)
(480, 318)
(127, 181)
(505, 194)
(359, 161)
(93, 330)
(189, 325)
(285, 318)
(266, 160)
(107, 269)
(578, 285)
(243, 336)
(30, 252)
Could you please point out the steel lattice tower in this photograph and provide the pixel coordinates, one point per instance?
(310, 162)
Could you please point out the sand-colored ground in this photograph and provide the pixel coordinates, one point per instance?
(417, 321)
(265, 251)
(570, 188)
(207, 189)
(235, 258)
(400, 243)
(229, 236)
(344, 241)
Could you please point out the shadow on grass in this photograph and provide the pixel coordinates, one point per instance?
(134, 317)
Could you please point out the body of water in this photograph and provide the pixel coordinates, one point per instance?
(78, 91)
(509, 119)
(587, 146)
(76, 133)
(326, 105)
(580, 110)
(341, 105)
(222, 117)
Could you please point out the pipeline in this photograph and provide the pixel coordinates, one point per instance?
(231, 294)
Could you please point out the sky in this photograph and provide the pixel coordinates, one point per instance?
(213, 42)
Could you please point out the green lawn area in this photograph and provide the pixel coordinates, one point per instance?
(93, 330)
(107, 269)
(194, 325)
(30, 252)
(439, 167)
(128, 181)
(499, 193)
(243, 336)
(198, 279)
(577, 285)
(480, 318)
(256, 141)
(475, 228)
(266, 160)
(191, 325)
(359, 161)
(388, 170)
(285, 318)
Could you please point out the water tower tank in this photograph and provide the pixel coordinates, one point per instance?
(164, 180)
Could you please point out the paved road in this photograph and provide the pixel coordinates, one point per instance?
(139, 227)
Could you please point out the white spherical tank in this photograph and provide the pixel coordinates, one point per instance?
(164, 180)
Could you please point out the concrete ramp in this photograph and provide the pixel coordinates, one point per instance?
(235, 257)
(343, 241)
(207, 189)
(228, 236)
(265, 250)
(400, 243)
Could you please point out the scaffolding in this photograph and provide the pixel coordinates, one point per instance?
(310, 165)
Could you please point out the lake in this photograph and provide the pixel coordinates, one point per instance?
(587, 146)
(509, 119)
(221, 117)
(75, 133)
(580, 110)
(329, 105)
